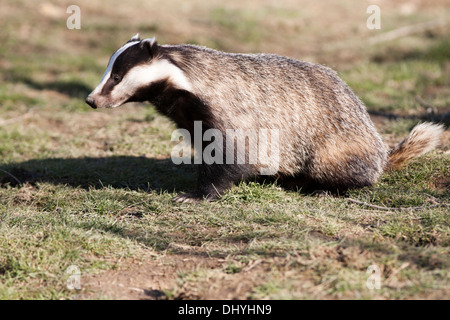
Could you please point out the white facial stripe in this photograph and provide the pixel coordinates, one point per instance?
(144, 75)
(107, 73)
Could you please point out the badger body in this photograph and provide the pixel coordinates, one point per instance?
(326, 137)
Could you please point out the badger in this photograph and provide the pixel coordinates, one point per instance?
(325, 136)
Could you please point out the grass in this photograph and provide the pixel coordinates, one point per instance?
(394, 86)
(93, 188)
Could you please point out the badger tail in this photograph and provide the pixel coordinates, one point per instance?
(423, 138)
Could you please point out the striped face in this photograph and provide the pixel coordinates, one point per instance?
(131, 69)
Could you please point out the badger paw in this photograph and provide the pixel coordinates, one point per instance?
(187, 198)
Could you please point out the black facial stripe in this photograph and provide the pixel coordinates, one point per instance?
(135, 55)
(108, 87)
(131, 57)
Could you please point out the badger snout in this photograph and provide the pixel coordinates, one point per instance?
(91, 101)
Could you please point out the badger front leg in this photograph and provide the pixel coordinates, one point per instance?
(213, 181)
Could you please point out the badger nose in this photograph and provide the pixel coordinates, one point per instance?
(91, 101)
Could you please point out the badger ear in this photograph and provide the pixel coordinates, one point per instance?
(150, 45)
(136, 37)
(150, 42)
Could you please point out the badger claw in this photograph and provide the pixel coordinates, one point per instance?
(187, 198)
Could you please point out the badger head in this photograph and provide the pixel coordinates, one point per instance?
(131, 69)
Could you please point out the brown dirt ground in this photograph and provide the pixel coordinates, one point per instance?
(150, 279)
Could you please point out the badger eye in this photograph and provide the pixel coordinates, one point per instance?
(116, 77)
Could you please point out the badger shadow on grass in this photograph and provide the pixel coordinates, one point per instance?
(126, 172)
(123, 172)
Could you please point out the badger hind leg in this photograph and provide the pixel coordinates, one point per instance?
(354, 162)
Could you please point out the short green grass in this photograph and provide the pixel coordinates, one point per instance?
(93, 188)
